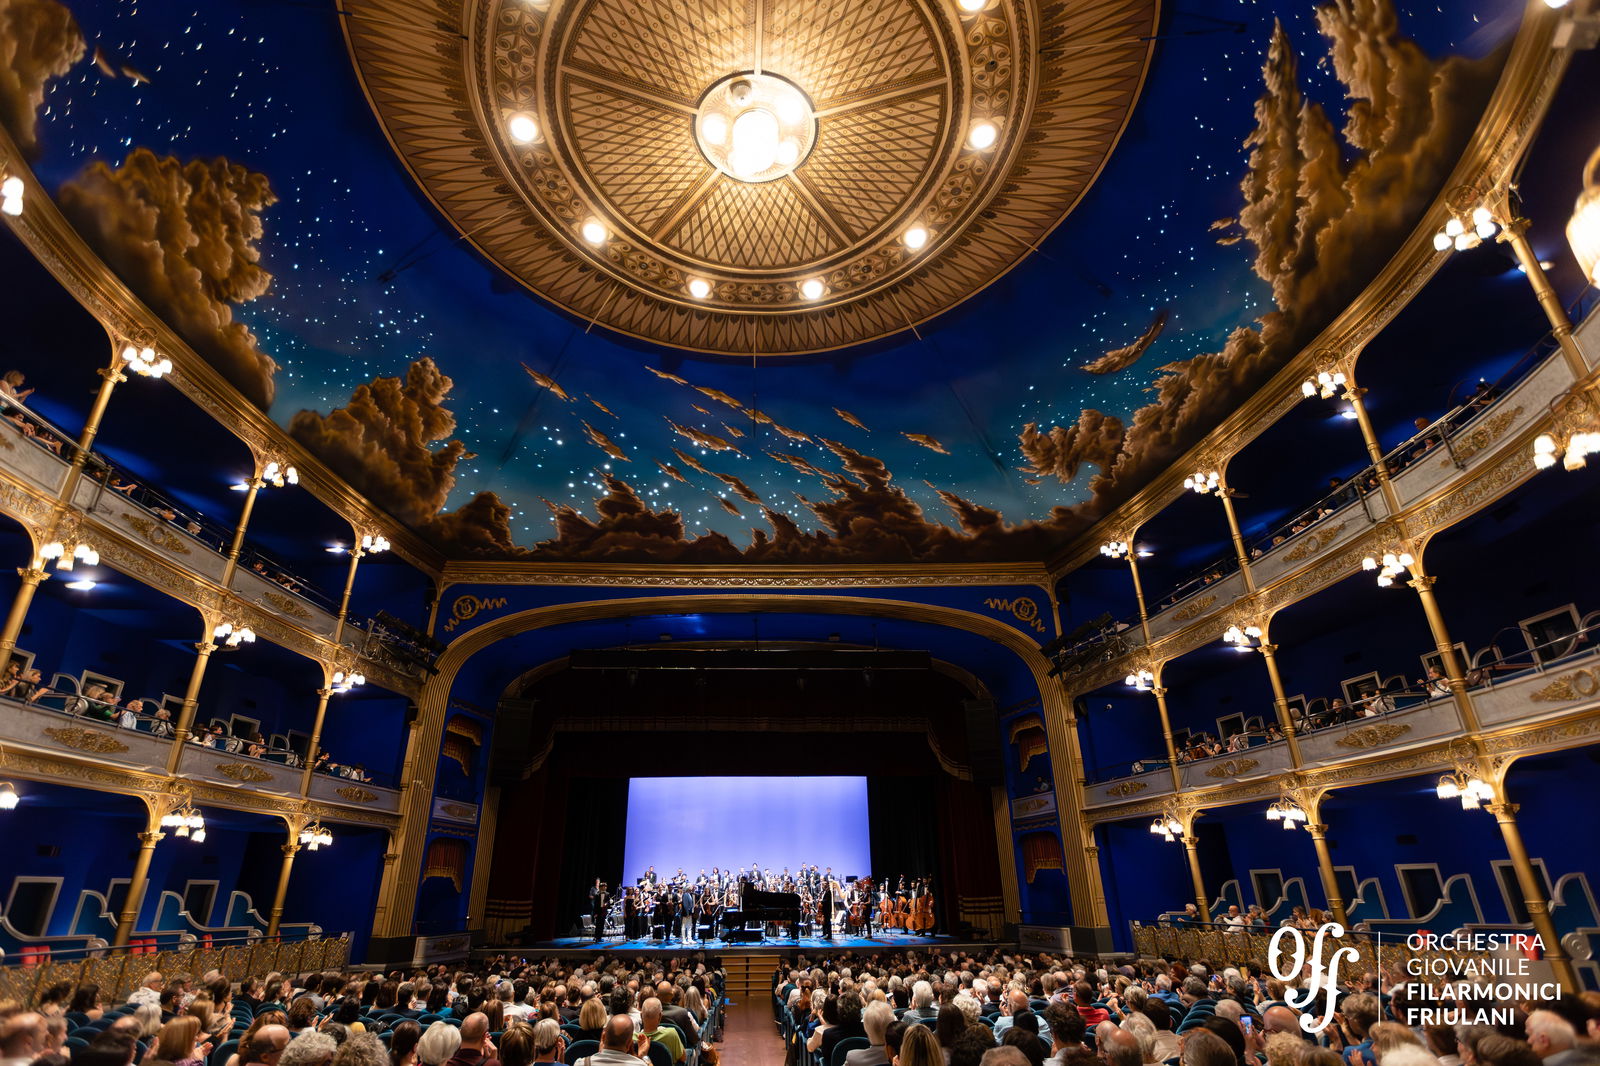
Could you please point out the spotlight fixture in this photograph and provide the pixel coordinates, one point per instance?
(146, 361)
(812, 288)
(83, 584)
(1143, 680)
(1287, 811)
(1583, 229)
(982, 135)
(1204, 483)
(232, 635)
(314, 836)
(1466, 786)
(523, 127)
(11, 196)
(1115, 549)
(1463, 233)
(1393, 565)
(185, 822)
(1167, 826)
(1326, 385)
(594, 232)
(699, 288)
(915, 238)
(278, 475)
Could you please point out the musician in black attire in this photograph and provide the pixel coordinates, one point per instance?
(825, 910)
(599, 904)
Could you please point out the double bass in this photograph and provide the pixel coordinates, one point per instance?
(859, 905)
(922, 920)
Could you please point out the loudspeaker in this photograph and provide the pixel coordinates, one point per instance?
(983, 742)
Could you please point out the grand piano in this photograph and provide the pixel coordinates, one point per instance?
(759, 907)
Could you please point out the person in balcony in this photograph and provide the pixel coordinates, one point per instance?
(11, 386)
(1435, 684)
(257, 748)
(130, 715)
(1374, 704)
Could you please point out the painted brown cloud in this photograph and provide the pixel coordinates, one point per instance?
(183, 236)
(39, 40)
(1095, 439)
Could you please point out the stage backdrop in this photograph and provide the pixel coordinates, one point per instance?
(696, 822)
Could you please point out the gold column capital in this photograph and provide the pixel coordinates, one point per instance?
(292, 848)
(150, 838)
(33, 574)
(1159, 692)
(1503, 811)
(1317, 829)
(112, 374)
(205, 647)
(1267, 649)
(1422, 582)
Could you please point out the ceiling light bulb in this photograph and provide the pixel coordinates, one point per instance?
(812, 288)
(8, 796)
(755, 137)
(791, 108)
(699, 288)
(1482, 217)
(972, 5)
(714, 128)
(789, 152)
(915, 238)
(1442, 241)
(523, 127)
(1455, 227)
(594, 232)
(982, 135)
(1464, 242)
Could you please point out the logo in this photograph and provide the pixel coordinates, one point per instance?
(1322, 975)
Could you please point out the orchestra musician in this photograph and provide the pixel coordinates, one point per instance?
(825, 910)
(688, 912)
(599, 904)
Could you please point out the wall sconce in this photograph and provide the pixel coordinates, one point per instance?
(145, 361)
(1167, 826)
(186, 822)
(1203, 483)
(1583, 230)
(1115, 549)
(1466, 232)
(232, 635)
(314, 836)
(1143, 680)
(1287, 811)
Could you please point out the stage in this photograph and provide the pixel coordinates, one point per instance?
(811, 945)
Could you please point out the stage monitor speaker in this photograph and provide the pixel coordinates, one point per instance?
(983, 742)
(743, 936)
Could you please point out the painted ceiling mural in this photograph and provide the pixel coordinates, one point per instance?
(223, 160)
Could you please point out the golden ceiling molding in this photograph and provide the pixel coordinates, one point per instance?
(1528, 82)
(45, 232)
(614, 86)
(696, 576)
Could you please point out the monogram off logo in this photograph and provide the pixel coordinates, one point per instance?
(1322, 975)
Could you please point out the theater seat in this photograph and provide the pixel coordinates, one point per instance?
(659, 1055)
(845, 1046)
(581, 1049)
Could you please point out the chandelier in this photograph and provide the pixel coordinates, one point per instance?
(1287, 811)
(56, 551)
(1393, 565)
(1243, 639)
(1573, 454)
(11, 196)
(146, 361)
(1115, 549)
(1465, 232)
(278, 474)
(345, 680)
(1204, 483)
(1326, 384)
(314, 836)
(1143, 680)
(1583, 230)
(8, 796)
(186, 822)
(1167, 826)
(1467, 786)
(232, 635)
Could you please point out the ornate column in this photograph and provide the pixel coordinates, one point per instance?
(1514, 231)
(1455, 676)
(157, 807)
(31, 575)
(295, 823)
(362, 545)
(1505, 813)
(191, 693)
(1160, 693)
(1280, 701)
(1330, 881)
(1226, 495)
(315, 744)
(1185, 817)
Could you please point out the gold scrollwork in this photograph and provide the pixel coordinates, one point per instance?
(1194, 609)
(1313, 544)
(1127, 788)
(156, 533)
(1373, 735)
(1481, 437)
(1580, 684)
(239, 771)
(287, 604)
(458, 810)
(356, 795)
(86, 740)
(1232, 767)
(1022, 609)
(469, 607)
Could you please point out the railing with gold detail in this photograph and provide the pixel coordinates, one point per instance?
(118, 975)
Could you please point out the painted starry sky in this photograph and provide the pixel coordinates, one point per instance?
(367, 277)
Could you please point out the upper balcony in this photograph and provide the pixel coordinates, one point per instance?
(155, 538)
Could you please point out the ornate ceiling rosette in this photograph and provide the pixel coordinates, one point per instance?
(767, 177)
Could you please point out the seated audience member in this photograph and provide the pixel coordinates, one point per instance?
(1360, 1013)
(1555, 1040)
(919, 1047)
(474, 1050)
(1083, 999)
(438, 1043)
(650, 1025)
(22, 1037)
(875, 1019)
(922, 1005)
(620, 1046)
(849, 1007)
(970, 1049)
(310, 1048)
(1204, 1048)
(1497, 1050)
(1116, 1046)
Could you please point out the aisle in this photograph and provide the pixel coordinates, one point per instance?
(748, 1036)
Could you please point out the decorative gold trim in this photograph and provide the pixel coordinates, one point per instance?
(1580, 684)
(1193, 609)
(468, 607)
(1313, 543)
(356, 794)
(1127, 788)
(457, 810)
(698, 576)
(1481, 437)
(1232, 767)
(287, 604)
(156, 533)
(1373, 735)
(86, 740)
(1022, 608)
(239, 771)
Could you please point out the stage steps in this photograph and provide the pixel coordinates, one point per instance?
(749, 976)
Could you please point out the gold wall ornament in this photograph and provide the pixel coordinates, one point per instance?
(156, 533)
(1481, 436)
(1022, 609)
(457, 810)
(610, 85)
(356, 794)
(1127, 788)
(1313, 543)
(287, 604)
(239, 771)
(1373, 735)
(1232, 767)
(466, 608)
(1193, 609)
(86, 740)
(1580, 684)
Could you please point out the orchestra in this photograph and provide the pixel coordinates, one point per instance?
(759, 902)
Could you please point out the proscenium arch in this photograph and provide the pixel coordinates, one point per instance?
(396, 900)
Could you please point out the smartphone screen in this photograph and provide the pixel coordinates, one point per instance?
(1244, 1020)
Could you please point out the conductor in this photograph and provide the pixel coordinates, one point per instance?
(825, 909)
(599, 904)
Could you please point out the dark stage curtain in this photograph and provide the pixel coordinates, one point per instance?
(905, 832)
(596, 813)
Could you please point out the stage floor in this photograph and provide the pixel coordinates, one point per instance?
(769, 946)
